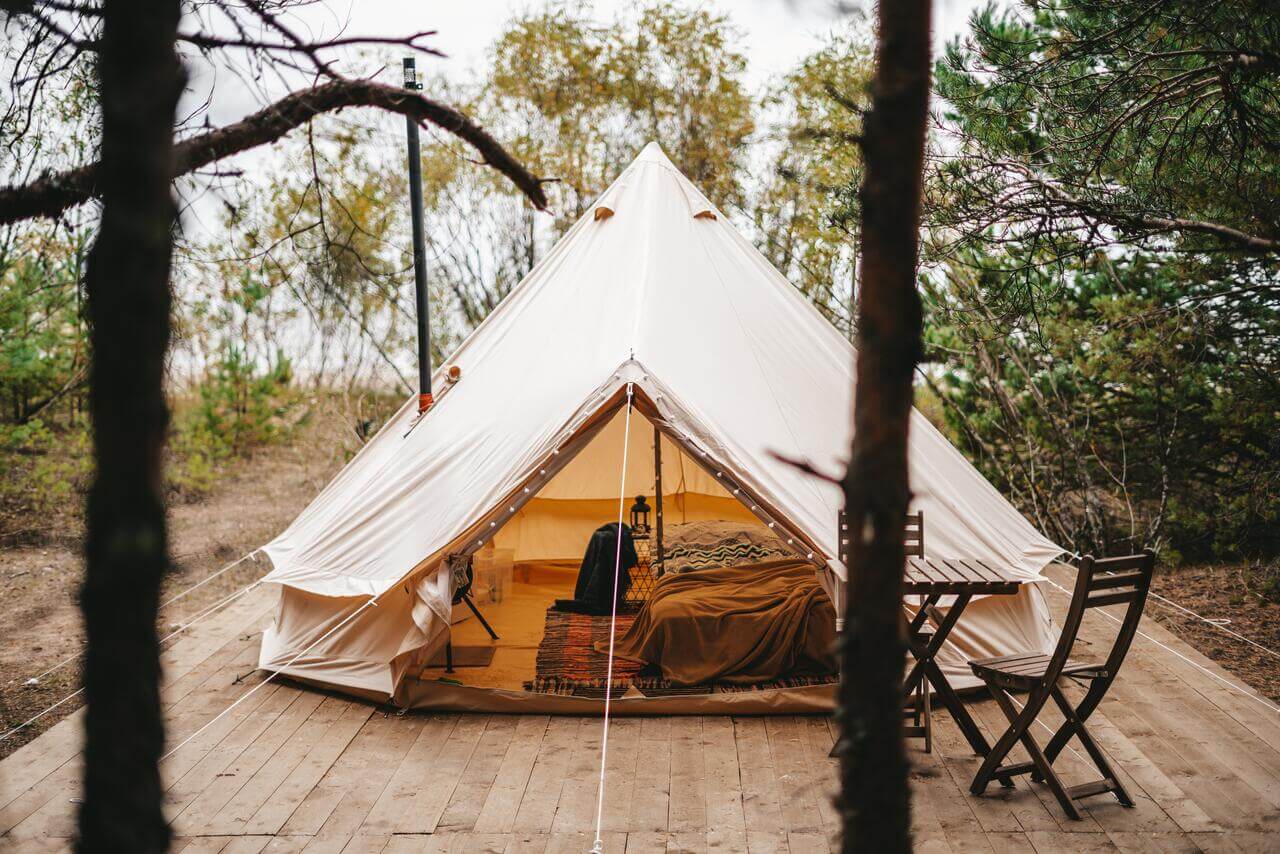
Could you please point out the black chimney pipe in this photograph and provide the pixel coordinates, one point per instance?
(419, 250)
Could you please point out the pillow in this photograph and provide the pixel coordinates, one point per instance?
(708, 545)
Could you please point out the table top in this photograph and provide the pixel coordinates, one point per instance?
(926, 576)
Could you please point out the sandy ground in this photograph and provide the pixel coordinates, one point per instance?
(1218, 592)
(254, 499)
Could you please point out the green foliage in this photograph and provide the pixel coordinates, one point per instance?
(43, 364)
(42, 471)
(1084, 120)
(1122, 410)
(1264, 579)
(581, 100)
(241, 402)
(576, 101)
(806, 214)
(239, 406)
(42, 333)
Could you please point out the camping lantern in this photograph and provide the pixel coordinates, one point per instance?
(640, 516)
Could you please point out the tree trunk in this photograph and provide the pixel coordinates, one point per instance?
(126, 549)
(875, 805)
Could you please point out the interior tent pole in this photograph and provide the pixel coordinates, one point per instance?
(419, 250)
(657, 498)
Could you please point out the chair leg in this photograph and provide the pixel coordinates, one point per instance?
(448, 657)
(928, 716)
(1090, 702)
(1023, 726)
(1017, 724)
(1091, 747)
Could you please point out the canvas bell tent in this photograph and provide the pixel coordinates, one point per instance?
(652, 303)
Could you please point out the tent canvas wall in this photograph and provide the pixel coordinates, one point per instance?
(652, 293)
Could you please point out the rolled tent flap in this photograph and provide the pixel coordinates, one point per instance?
(316, 638)
(733, 364)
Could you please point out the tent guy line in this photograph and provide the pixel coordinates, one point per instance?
(598, 848)
(1215, 624)
(272, 675)
(200, 615)
(1243, 692)
(34, 680)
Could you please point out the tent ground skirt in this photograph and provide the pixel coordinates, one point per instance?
(446, 697)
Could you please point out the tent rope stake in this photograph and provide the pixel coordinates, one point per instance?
(598, 848)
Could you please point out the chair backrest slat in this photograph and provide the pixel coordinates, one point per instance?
(1131, 578)
(912, 534)
(1098, 600)
(1099, 583)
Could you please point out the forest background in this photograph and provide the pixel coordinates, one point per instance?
(1102, 260)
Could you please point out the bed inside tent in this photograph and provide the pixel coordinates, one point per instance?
(699, 530)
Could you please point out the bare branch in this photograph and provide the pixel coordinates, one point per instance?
(50, 195)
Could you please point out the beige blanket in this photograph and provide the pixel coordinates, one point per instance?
(740, 624)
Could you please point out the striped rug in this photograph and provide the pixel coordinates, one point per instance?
(568, 663)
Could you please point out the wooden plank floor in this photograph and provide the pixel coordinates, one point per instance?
(297, 770)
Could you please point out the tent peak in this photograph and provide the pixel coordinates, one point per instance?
(652, 153)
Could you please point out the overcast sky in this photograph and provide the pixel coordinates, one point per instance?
(776, 34)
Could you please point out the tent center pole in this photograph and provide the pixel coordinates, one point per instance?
(657, 500)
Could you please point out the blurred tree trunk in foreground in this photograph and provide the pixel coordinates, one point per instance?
(875, 800)
(126, 549)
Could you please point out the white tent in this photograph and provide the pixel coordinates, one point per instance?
(652, 292)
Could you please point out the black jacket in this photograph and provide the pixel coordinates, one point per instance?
(591, 595)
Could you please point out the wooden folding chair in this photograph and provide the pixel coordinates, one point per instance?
(918, 710)
(917, 702)
(1108, 581)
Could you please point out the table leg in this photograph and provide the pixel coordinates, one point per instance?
(926, 666)
(922, 614)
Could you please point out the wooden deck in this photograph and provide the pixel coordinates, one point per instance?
(293, 770)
